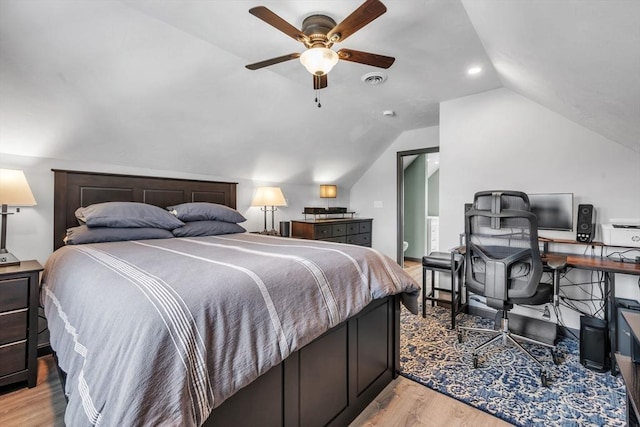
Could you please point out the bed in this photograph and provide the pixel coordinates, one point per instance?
(322, 353)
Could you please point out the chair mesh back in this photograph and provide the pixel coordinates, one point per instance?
(503, 260)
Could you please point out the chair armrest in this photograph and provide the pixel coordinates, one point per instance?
(557, 262)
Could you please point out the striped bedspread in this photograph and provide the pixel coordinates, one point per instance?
(159, 332)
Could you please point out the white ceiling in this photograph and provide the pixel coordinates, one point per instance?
(161, 84)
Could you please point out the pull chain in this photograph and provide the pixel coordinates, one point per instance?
(317, 100)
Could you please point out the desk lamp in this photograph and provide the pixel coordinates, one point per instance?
(265, 197)
(14, 191)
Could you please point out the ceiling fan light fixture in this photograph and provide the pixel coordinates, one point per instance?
(319, 60)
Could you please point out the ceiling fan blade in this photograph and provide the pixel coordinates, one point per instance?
(319, 82)
(272, 61)
(367, 58)
(275, 21)
(367, 12)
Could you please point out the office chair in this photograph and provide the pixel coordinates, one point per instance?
(503, 264)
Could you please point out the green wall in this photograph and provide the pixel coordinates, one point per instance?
(414, 207)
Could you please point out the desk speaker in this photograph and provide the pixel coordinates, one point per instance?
(586, 229)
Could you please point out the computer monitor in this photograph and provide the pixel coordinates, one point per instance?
(554, 210)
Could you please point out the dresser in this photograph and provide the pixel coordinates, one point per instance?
(630, 368)
(19, 323)
(355, 231)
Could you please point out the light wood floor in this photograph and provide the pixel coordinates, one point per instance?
(42, 405)
(402, 403)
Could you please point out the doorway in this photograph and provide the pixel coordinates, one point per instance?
(418, 176)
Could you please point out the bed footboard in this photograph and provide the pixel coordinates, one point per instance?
(326, 383)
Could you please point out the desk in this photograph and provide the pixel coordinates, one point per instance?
(609, 268)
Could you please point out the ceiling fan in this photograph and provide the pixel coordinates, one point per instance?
(318, 34)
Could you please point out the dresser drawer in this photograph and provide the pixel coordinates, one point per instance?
(338, 230)
(322, 231)
(362, 239)
(14, 358)
(365, 227)
(338, 239)
(353, 228)
(13, 326)
(344, 230)
(14, 294)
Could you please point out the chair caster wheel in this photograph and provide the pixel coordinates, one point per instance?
(475, 362)
(544, 379)
(459, 337)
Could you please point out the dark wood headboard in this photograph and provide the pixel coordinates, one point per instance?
(73, 189)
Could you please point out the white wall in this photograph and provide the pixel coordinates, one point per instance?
(30, 232)
(501, 140)
(379, 184)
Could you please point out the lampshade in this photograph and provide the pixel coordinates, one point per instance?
(328, 191)
(269, 196)
(14, 189)
(319, 60)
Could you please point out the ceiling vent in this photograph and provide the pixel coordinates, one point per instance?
(375, 78)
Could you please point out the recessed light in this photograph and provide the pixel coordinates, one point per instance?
(474, 70)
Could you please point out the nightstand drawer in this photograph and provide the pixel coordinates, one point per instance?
(14, 358)
(14, 294)
(13, 326)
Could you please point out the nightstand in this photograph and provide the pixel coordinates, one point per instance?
(19, 323)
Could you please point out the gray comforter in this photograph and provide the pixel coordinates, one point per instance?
(159, 332)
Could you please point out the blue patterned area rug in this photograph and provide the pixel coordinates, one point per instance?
(506, 383)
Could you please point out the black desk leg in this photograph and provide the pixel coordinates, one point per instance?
(454, 284)
(424, 292)
(611, 315)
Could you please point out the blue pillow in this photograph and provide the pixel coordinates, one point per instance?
(207, 228)
(83, 234)
(202, 211)
(127, 215)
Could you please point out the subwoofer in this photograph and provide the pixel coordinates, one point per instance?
(594, 344)
(586, 228)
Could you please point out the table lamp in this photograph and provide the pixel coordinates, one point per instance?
(14, 191)
(265, 197)
(328, 192)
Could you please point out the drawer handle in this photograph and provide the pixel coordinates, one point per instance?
(19, 310)
(13, 343)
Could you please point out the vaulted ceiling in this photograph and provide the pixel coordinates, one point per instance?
(161, 83)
